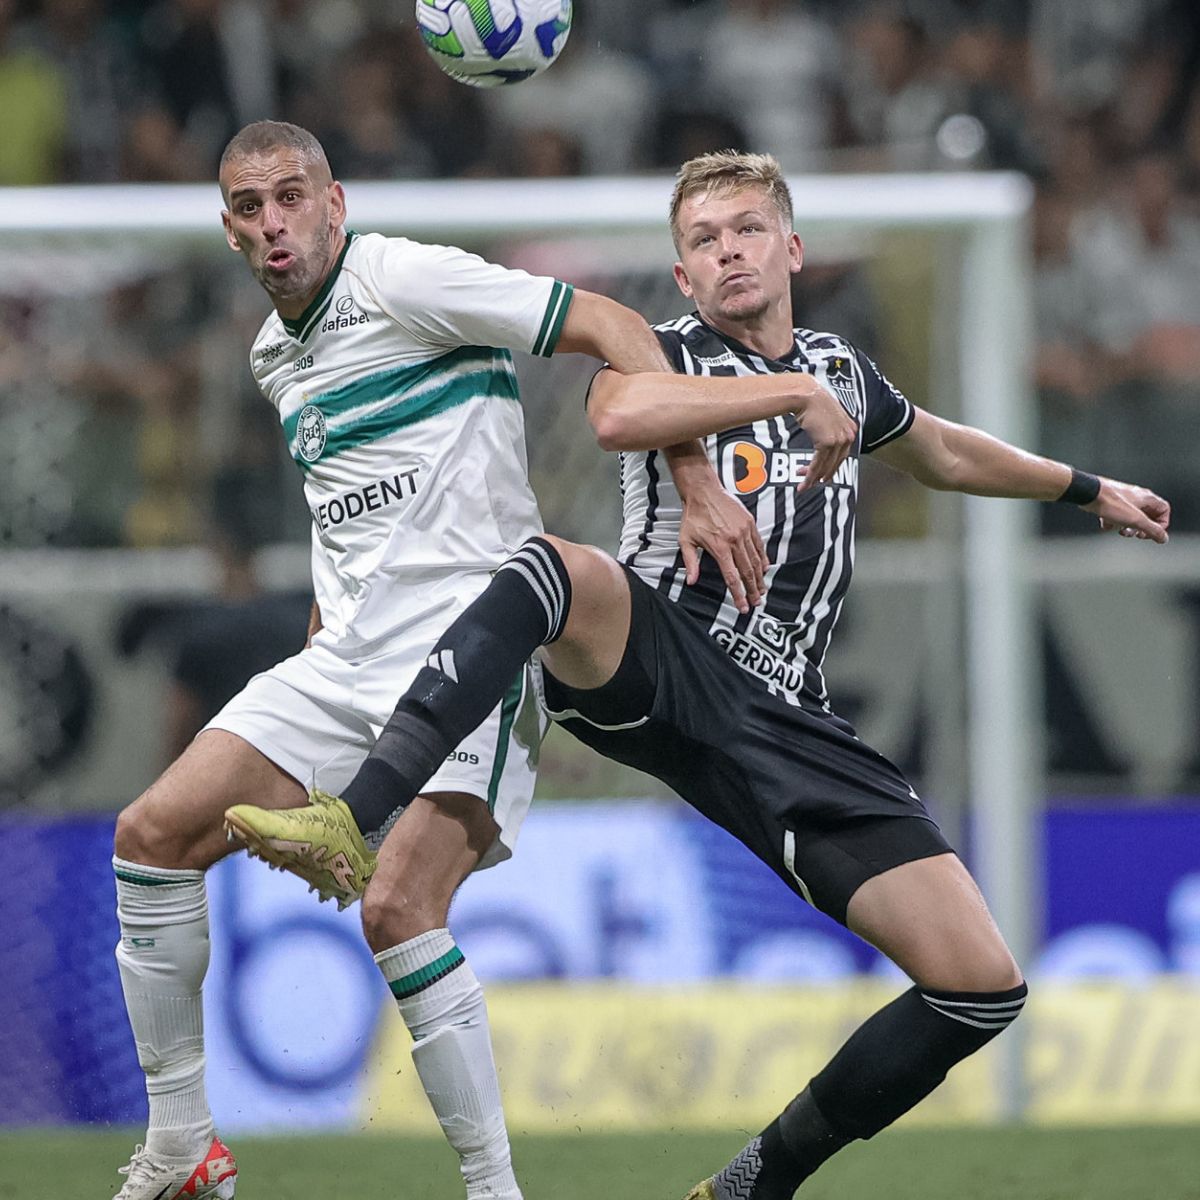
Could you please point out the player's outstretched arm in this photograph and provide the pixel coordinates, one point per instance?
(958, 458)
(644, 412)
(641, 404)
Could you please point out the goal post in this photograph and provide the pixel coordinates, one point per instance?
(984, 214)
(1006, 755)
(429, 208)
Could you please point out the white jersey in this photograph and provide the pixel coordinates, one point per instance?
(399, 403)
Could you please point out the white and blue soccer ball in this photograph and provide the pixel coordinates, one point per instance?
(490, 43)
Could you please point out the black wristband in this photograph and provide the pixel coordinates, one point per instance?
(1082, 489)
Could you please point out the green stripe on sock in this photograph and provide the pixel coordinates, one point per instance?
(427, 976)
(145, 880)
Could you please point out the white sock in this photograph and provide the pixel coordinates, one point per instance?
(442, 1004)
(163, 956)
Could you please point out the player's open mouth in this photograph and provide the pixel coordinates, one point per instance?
(280, 260)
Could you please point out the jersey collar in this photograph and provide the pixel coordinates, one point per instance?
(300, 327)
(790, 361)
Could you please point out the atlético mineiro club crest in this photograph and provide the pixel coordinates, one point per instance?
(839, 378)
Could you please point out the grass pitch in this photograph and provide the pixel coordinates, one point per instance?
(1083, 1164)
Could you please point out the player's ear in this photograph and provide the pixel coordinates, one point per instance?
(795, 253)
(337, 205)
(682, 280)
(229, 234)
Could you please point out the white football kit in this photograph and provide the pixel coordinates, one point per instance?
(399, 402)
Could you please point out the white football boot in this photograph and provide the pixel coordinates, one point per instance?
(157, 1177)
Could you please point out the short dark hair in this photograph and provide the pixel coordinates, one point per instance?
(262, 137)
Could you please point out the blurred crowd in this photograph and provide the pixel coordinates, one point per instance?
(101, 90)
(1097, 100)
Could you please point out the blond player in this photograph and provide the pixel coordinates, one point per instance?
(731, 709)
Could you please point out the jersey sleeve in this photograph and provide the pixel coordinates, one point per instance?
(889, 412)
(446, 297)
(671, 340)
(262, 355)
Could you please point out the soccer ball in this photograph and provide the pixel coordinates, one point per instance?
(488, 43)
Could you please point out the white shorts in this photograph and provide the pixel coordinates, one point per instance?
(317, 714)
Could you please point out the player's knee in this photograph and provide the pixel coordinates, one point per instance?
(1005, 975)
(389, 918)
(977, 961)
(145, 833)
(597, 582)
(373, 913)
(993, 970)
(582, 562)
(997, 969)
(576, 559)
(138, 837)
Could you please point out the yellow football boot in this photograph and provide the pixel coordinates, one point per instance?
(319, 842)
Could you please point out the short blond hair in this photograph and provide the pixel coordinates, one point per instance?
(730, 171)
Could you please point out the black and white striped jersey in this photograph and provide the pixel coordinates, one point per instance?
(809, 536)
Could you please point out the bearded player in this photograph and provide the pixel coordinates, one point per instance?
(388, 363)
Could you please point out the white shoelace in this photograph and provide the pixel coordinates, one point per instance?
(141, 1168)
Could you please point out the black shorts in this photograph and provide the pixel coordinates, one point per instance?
(799, 788)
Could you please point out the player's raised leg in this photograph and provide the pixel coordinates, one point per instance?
(164, 843)
(571, 600)
(435, 843)
(930, 919)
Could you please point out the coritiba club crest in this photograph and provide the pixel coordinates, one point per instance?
(310, 433)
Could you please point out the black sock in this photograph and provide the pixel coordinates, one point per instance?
(898, 1056)
(776, 1162)
(763, 1170)
(891, 1062)
(471, 667)
(808, 1135)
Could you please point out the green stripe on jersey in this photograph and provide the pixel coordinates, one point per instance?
(412, 379)
(380, 404)
(428, 975)
(386, 421)
(552, 320)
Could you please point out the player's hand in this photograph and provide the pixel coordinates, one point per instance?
(833, 432)
(715, 522)
(1131, 511)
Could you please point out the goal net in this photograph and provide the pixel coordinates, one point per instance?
(125, 392)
